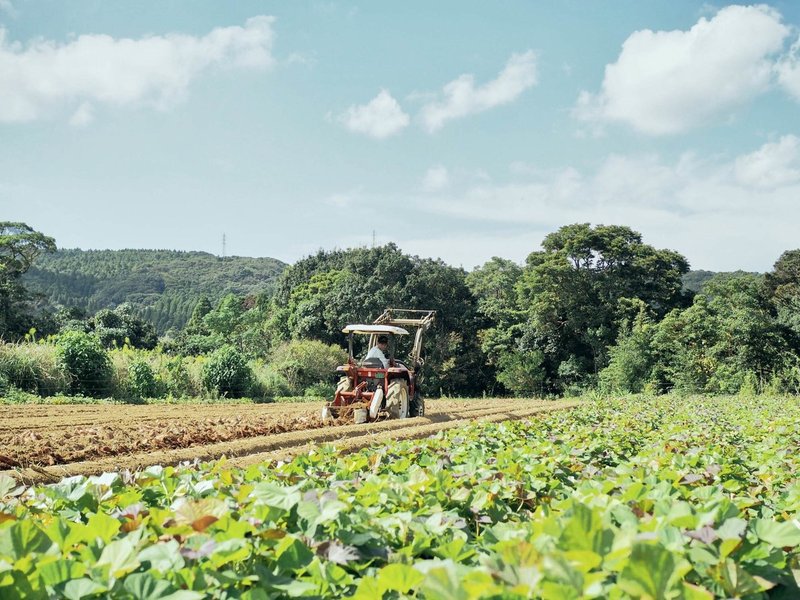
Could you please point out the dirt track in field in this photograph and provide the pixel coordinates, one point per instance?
(44, 443)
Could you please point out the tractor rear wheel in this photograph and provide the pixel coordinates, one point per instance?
(397, 399)
(417, 405)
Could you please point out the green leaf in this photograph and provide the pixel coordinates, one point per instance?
(694, 592)
(163, 557)
(120, 557)
(53, 573)
(399, 578)
(652, 572)
(780, 535)
(144, 586)
(736, 581)
(23, 538)
(292, 554)
(230, 551)
(276, 496)
(584, 531)
(368, 589)
(101, 526)
(81, 588)
(443, 583)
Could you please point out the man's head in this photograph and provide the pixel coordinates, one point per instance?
(383, 342)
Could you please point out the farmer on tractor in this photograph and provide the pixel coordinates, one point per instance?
(380, 351)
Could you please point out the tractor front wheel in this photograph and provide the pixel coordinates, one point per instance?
(397, 399)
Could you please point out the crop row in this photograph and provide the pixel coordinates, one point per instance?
(643, 498)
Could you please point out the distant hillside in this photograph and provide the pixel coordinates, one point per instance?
(164, 284)
(694, 280)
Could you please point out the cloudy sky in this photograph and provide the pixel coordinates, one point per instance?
(461, 130)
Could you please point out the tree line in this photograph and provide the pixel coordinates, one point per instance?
(595, 308)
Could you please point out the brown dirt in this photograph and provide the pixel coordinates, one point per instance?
(42, 443)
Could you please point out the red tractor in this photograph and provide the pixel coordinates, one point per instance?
(379, 385)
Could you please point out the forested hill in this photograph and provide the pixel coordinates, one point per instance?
(164, 284)
(694, 280)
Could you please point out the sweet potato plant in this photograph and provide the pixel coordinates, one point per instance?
(634, 498)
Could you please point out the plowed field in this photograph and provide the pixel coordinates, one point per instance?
(39, 443)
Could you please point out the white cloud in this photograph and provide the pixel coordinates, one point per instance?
(380, 118)
(436, 178)
(738, 213)
(44, 77)
(666, 82)
(461, 97)
(83, 116)
(773, 165)
(788, 70)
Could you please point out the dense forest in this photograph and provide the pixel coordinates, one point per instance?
(596, 308)
(161, 285)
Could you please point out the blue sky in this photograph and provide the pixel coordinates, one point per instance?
(460, 130)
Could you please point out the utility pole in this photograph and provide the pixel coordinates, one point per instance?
(223, 246)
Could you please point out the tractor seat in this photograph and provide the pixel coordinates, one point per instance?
(372, 363)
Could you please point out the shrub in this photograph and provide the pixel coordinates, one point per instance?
(142, 380)
(269, 384)
(522, 372)
(321, 390)
(227, 373)
(86, 362)
(304, 363)
(33, 368)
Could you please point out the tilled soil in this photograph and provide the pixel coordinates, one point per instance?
(41, 443)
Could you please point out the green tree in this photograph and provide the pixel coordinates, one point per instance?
(201, 309)
(123, 326)
(20, 246)
(494, 286)
(320, 294)
(729, 336)
(783, 285)
(632, 362)
(577, 291)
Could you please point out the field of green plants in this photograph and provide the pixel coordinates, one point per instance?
(631, 498)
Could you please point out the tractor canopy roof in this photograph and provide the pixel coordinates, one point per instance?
(370, 329)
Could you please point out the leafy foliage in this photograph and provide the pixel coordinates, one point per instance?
(568, 302)
(727, 339)
(86, 362)
(306, 363)
(637, 498)
(316, 296)
(142, 380)
(227, 373)
(20, 246)
(123, 326)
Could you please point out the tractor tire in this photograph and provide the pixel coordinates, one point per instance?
(397, 399)
(417, 408)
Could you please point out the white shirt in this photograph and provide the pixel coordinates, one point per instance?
(376, 352)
